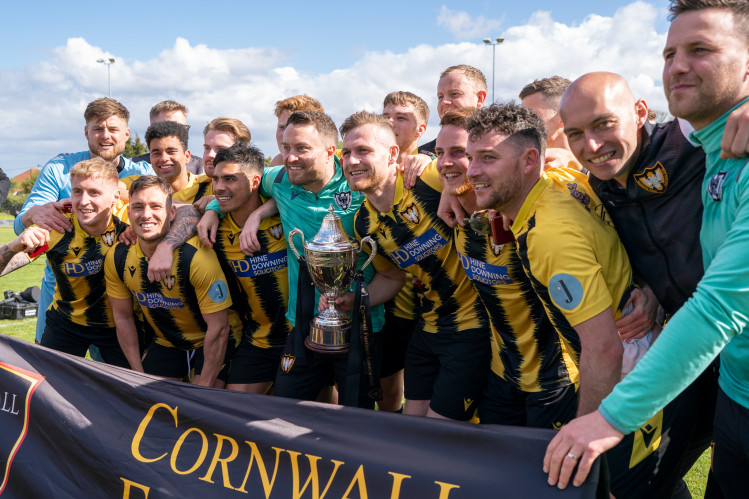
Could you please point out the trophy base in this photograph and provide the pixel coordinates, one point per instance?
(321, 348)
(328, 335)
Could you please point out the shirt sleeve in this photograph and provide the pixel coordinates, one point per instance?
(209, 282)
(115, 287)
(46, 189)
(694, 336)
(269, 178)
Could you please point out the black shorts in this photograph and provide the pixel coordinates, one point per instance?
(171, 362)
(63, 335)
(394, 338)
(253, 364)
(449, 369)
(304, 378)
(504, 403)
(731, 456)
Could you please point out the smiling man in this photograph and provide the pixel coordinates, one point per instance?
(409, 114)
(106, 130)
(188, 312)
(222, 133)
(79, 314)
(706, 77)
(259, 284)
(447, 358)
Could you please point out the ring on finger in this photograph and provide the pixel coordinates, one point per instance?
(572, 456)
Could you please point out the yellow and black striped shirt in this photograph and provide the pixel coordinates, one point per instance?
(260, 283)
(77, 260)
(174, 308)
(572, 255)
(413, 238)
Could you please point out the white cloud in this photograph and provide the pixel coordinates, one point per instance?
(465, 27)
(43, 105)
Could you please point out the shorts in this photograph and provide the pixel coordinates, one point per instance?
(504, 403)
(253, 364)
(63, 335)
(170, 362)
(731, 453)
(394, 339)
(303, 379)
(449, 369)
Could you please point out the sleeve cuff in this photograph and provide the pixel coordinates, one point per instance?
(213, 205)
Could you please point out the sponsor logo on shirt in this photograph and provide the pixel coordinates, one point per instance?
(419, 248)
(260, 264)
(83, 269)
(483, 272)
(653, 179)
(157, 300)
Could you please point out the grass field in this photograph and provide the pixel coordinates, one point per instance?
(31, 274)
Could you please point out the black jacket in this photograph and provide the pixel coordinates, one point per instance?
(659, 214)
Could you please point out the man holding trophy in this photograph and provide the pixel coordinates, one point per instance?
(448, 355)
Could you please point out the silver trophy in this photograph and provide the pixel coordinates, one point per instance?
(331, 260)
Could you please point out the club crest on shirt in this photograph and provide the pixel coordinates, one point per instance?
(412, 214)
(277, 231)
(108, 238)
(496, 248)
(342, 199)
(653, 179)
(715, 186)
(169, 282)
(287, 361)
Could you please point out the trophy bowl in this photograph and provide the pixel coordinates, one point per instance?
(332, 258)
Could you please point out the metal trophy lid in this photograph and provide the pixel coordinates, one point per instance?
(331, 238)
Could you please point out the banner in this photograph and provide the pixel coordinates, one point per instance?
(70, 427)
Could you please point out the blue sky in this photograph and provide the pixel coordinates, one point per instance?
(237, 58)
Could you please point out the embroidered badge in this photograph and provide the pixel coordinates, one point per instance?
(412, 214)
(715, 186)
(276, 231)
(342, 199)
(287, 361)
(169, 282)
(108, 238)
(653, 179)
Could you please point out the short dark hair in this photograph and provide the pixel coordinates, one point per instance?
(167, 129)
(249, 158)
(511, 119)
(324, 123)
(739, 9)
(145, 181)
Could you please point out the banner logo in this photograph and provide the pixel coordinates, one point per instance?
(342, 199)
(287, 362)
(483, 272)
(18, 386)
(715, 186)
(653, 179)
(83, 269)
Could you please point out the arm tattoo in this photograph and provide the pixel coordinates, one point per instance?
(10, 261)
(185, 226)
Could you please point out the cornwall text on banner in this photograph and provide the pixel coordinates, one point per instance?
(70, 427)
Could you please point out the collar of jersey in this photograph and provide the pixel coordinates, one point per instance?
(77, 229)
(331, 186)
(710, 136)
(236, 229)
(399, 194)
(525, 209)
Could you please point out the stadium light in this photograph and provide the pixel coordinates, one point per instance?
(108, 62)
(494, 44)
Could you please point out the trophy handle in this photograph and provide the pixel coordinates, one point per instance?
(372, 245)
(291, 241)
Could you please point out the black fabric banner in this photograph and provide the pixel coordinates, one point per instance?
(76, 428)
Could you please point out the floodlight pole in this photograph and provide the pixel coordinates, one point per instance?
(494, 44)
(109, 63)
